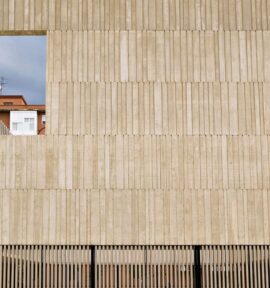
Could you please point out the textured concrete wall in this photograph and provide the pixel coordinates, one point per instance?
(158, 125)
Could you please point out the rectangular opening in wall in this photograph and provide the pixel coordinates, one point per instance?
(22, 85)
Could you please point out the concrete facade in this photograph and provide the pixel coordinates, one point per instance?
(158, 125)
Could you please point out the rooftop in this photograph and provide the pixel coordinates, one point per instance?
(17, 102)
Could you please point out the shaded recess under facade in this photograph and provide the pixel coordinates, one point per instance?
(134, 266)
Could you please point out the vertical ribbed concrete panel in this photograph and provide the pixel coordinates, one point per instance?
(158, 125)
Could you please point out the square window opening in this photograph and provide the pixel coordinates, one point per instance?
(22, 84)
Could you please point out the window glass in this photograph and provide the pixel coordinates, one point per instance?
(32, 124)
(29, 123)
(17, 126)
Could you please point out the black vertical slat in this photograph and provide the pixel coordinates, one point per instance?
(197, 267)
(118, 268)
(93, 266)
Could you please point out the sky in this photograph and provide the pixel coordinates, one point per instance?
(23, 64)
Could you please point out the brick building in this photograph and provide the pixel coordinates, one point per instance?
(21, 118)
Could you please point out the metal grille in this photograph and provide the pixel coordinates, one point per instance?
(235, 266)
(45, 266)
(149, 266)
(134, 266)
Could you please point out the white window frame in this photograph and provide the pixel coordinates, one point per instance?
(20, 117)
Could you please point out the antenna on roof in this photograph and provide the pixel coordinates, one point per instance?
(2, 83)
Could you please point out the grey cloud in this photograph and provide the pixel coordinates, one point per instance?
(22, 62)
